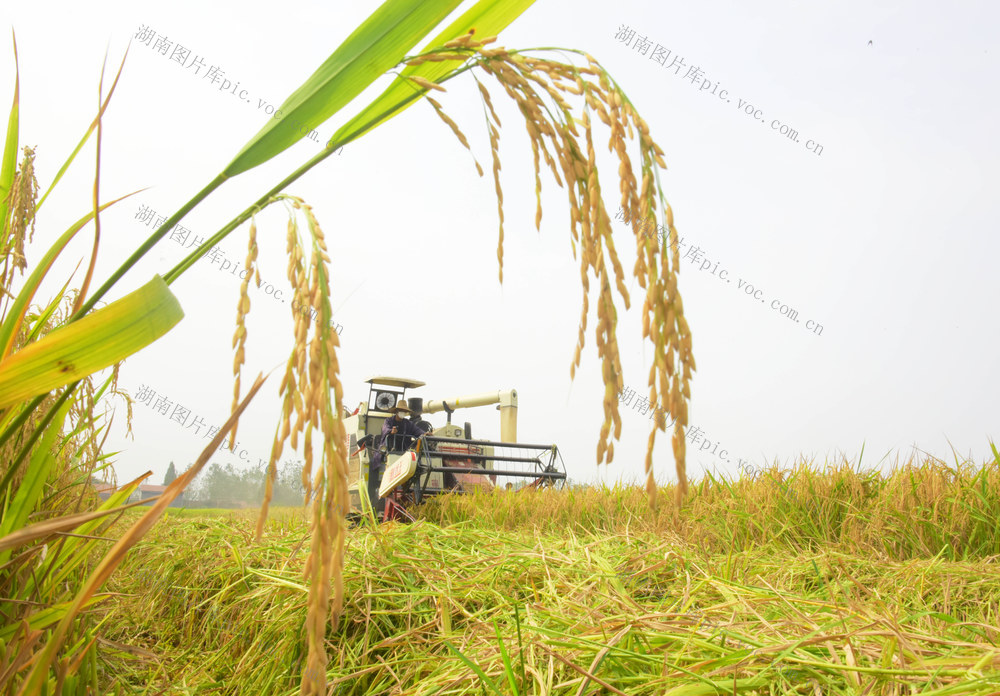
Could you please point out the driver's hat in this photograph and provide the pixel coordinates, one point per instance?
(401, 406)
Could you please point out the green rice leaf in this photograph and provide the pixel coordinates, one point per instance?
(96, 341)
(9, 162)
(475, 668)
(487, 17)
(85, 137)
(507, 668)
(19, 307)
(376, 46)
(32, 487)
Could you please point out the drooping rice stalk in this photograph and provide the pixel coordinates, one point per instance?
(544, 91)
(311, 405)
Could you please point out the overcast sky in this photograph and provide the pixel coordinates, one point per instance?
(878, 224)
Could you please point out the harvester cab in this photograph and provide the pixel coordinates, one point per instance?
(446, 458)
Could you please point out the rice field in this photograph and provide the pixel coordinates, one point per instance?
(814, 580)
(202, 605)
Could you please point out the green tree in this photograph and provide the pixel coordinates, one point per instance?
(170, 475)
(289, 490)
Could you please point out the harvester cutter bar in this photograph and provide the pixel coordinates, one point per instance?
(428, 451)
(497, 472)
(485, 443)
(481, 457)
(539, 461)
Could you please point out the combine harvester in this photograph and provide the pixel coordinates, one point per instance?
(444, 459)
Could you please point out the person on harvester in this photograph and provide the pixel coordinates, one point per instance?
(397, 435)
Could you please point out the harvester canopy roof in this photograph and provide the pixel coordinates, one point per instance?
(396, 382)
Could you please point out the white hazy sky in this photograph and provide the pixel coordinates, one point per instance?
(886, 236)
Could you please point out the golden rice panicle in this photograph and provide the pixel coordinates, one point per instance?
(21, 200)
(604, 225)
(467, 41)
(456, 130)
(607, 314)
(240, 335)
(663, 321)
(485, 94)
(289, 388)
(495, 153)
(581, 215)
(582, 334)
(496, 179)
(512, 82)
(538, 186)
(316, 364)
(436, 57)
(425, 83)
(314, 679)
(550, 120)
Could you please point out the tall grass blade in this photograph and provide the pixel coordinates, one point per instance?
(36, 432)
(9, 162)
(86, 135)
(35, 478)
(475, 668)
(520, 647)
(507, 667)
(47, 528)
(85, 286)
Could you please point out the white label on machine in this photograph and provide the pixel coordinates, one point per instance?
(398, 472)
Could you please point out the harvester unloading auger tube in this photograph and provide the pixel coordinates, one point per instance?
(445, 458)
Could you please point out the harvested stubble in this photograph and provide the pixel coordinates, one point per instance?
(624, 606)
(918, 509)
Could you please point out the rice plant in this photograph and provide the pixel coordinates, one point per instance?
(50, 444)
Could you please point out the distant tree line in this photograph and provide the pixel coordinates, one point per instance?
(227, 486)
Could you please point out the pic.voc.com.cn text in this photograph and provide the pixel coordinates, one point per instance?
(697, 255)
(697, 77)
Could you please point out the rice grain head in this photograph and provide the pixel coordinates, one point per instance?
(22, 203)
